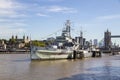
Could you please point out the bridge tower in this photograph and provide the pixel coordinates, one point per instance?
(107, 40)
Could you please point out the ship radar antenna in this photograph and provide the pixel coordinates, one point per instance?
(68, 28)
(68, 23)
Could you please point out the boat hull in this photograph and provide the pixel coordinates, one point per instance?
(47, 55)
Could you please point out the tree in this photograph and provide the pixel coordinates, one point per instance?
(38, 43)
(12, 41)
(27, 44)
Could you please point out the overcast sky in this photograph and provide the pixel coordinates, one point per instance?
(40, 18)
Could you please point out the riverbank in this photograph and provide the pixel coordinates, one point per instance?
(27, 52)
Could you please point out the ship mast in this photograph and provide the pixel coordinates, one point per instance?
(67, 30)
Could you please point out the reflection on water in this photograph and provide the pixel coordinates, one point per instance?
(20, 67)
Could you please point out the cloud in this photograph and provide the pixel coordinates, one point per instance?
(9, 20)
(5, 4)
(12, 17)
(57, 9)
(41, 14)
(14, 13)
(109, 17)
(18, 16)
(61, 9)
(7, 12)
(49, 0)
(9, 8)
(19, 24)
(56, 0)
(7, 31)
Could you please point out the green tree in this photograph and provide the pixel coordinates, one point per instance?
(12, 41)
(38, 43)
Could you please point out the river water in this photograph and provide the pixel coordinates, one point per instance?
(20, 67)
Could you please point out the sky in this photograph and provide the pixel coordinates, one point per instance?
(40, 19)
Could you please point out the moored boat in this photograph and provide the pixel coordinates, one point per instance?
(62, 48)
(51, 54)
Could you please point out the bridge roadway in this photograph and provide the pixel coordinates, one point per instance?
(115, 36)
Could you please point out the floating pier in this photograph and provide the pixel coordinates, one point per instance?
(80, 54)
(96, 54)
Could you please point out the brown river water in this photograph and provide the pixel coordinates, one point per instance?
(20, 67)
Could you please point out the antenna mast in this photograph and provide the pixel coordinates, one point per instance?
(68, 28)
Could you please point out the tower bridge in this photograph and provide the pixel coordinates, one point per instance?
(115, 36)
(108, 42)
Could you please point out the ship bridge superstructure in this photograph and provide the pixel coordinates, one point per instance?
(66, 31)
(65, 35)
